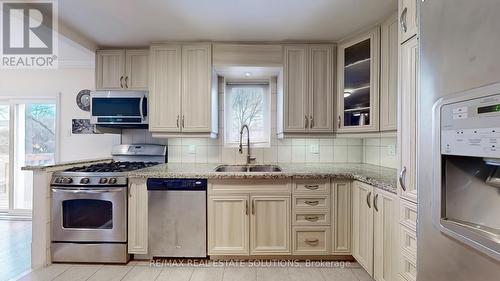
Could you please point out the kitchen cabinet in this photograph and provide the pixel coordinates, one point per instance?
(249, 218)
(228, 225)
(270, 224)
(389, 74)
(308, 88)
(183, 91)
(362, 225)
(341, 214)
(408, 19)
(407, 131)
(138, 217)
(358, 83)
(122, 69)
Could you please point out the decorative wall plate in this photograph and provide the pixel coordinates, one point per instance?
(83, 100)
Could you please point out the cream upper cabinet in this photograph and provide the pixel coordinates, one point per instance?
(295, 89)
(389, 74)
(320, 88)
(136, 69)
(196, 88)
(110, 70)
(122, 69)
(408, 19)
(341, 218)
(358, 83)
(385, 236)
(138, 217)
(362, 225)
(270, 225)
(407, 131)
(308, 88)
(165, 89)
(228, 225)
(183, 93)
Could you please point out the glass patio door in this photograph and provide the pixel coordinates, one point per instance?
(27, 137)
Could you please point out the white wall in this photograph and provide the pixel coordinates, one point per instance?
(75, 72)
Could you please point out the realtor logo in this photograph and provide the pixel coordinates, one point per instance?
(28, 36)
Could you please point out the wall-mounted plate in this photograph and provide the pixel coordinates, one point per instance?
(83, 100)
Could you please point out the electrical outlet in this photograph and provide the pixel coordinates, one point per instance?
(392, 149)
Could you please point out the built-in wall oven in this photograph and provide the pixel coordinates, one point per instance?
(119, 109)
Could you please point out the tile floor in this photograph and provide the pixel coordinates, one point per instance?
(15, 248)
(142, 271)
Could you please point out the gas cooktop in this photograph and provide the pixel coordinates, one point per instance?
(112, 167)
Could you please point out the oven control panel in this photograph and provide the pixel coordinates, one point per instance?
(472, 127)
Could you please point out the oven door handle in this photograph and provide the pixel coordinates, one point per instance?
(94, 191)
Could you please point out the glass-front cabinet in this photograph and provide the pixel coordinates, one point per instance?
(358, 78)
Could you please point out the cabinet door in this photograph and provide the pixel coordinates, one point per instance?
(408, 19)
(320, 88)
(341, 214)
(296, 101)
(110, 69)
(196, 88)
(385, 238)
(362, 222)
(407, 131)
(228, 225)
(138, 217)
(164, 103)
(389, 74)
(270, 225)
(358, 83)
(136, 69)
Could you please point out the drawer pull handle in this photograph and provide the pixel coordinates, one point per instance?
(312, 187)
(312, 203)
(313, 242)
(312, 218)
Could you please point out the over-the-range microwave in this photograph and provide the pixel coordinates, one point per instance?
(119, 109)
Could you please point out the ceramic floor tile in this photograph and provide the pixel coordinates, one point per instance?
(47, 273)
(207, 274)
(175, 274)
(110, 273)
(78, 273)
(272, 274)
(338, 274)
(361, 274)
(142, 273)
(304, 274)
(240, 274)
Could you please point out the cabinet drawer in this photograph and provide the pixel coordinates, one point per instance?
(311, 218)
(408, 240)
(408, 214)
(407, 268)
(311, 240)
(311, 202)
(311, 186)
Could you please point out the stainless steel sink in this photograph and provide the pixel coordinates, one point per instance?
(264, 168)
(244, 168)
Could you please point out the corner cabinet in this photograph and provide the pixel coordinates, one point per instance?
(308, 88)
(137, 217)
(358, 83)
(183, 91)
(389, 74)
(362, 225)
(122, 69)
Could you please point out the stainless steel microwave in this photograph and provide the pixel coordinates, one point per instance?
(119, 109)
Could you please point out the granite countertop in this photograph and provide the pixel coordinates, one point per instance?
(380, 177)
(64, 165)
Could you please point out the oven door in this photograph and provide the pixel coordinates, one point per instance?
(89, 215)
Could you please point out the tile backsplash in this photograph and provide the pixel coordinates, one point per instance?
(203, 150)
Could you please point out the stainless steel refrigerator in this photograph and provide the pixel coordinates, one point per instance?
(458, 233)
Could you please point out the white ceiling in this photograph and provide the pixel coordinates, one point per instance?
(140, 22)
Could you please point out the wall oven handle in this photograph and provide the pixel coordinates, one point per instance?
(141, 105)
(97, 190)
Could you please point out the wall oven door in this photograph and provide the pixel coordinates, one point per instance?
(119, 109)
(89, 215)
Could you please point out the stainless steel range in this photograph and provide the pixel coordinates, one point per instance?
(89, 206)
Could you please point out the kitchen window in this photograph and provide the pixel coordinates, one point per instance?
(247, 103)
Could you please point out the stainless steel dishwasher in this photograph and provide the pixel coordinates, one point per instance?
(177, 217)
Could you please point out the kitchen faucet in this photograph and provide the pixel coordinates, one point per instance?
(249, 158)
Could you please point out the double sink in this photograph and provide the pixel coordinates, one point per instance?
(247, 168)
